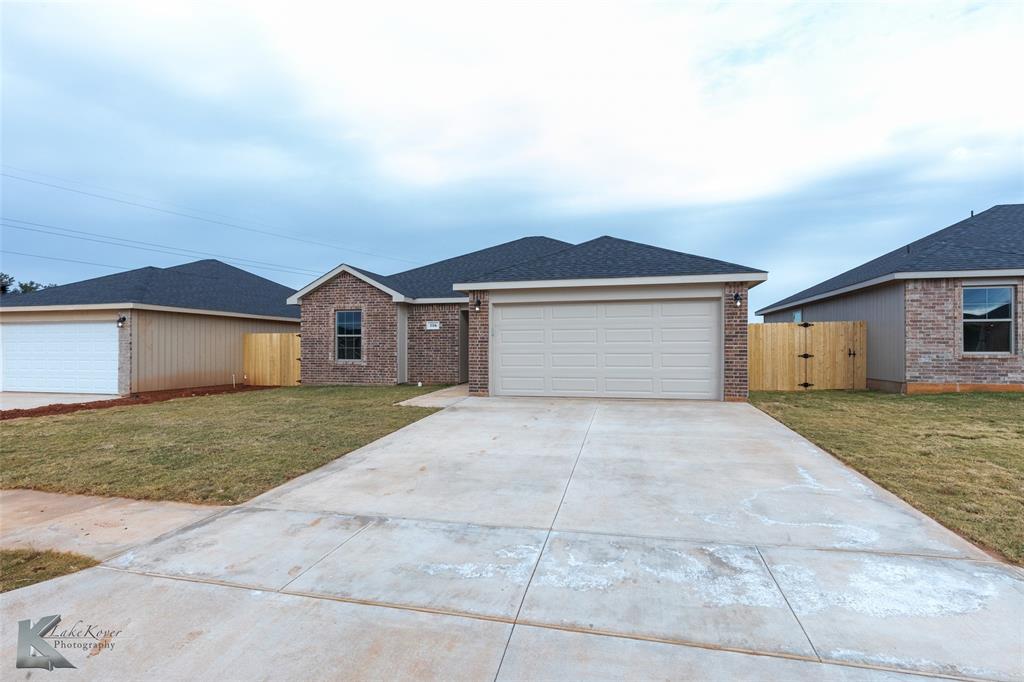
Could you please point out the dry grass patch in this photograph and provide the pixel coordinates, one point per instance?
(23, 567)
(220, 449)
(959, 457)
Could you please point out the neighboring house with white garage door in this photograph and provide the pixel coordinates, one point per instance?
(538, 317)
(148, 329)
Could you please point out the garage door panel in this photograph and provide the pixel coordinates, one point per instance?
(522, 336)
(72, 357)
(668, 349)
(524, 312)
(583, 385)
(522, 384)
(676, 335)
(522, 360)
(628, 360)
(642, 335)
(574, 360)
(696, 360)
(575, 336)
(690, 387)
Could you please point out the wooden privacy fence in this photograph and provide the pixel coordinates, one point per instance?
(791, 356)
(271, 359)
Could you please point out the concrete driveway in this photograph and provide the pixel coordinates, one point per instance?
(16, 400)
(555, 539)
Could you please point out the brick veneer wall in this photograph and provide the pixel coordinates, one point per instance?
(934, 335)
(379, 364)
(479, 344)
(434, 355)
(735, 360)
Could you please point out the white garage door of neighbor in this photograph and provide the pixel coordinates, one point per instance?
(622, 349)
(59, 357)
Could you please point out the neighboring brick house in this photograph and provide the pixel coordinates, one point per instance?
(944, 312)
(537, 316)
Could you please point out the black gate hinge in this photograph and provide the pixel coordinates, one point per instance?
(806, 324)
(805, 385)
(805, 356)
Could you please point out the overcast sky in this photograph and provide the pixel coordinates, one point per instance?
(802, 139)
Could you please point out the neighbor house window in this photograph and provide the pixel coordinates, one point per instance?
(798, 315)
(348, 326)
(988, 319)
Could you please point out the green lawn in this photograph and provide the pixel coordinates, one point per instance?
(23, 567)
(219, 449)
(958, 458)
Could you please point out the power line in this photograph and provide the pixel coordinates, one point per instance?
(135, 196)
(206, 220)
(66, 260)
(86, 262)
(159, 248)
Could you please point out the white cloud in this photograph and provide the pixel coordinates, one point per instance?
(603, 105)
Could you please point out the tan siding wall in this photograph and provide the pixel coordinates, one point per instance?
(178, 350)
(882, 308)
(60, 316)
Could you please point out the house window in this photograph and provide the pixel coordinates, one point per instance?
(798, 315)
(348, 326)
(988, 319)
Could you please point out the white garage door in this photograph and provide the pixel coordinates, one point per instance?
(59, 357)
(628, 349)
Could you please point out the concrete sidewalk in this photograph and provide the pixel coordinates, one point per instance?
(557, 539)
(99, 527)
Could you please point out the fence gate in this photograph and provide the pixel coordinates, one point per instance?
(789, 356)
(271, 359)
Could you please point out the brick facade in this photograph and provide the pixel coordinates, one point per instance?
(379, 364)
(433, 356)
(735, 338)
(934, 340)
(479, 344)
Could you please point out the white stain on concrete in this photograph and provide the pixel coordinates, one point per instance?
(582, 574)
(722, 576)
(847, 535)
(906, 663)
(886, 587)
(514, 564)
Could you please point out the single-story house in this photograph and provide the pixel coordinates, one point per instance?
(537, 317)
(944, 312)
(148, 329)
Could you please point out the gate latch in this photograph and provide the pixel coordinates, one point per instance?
(851, 353)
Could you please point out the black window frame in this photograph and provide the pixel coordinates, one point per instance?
(966, 321)
(352, 353)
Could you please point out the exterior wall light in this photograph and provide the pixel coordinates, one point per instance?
(121, 320)
(476, 305)
(736, 299)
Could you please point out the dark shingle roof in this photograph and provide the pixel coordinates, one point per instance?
(610, 257)
(202, 285)
(990, 240)
(436, 280)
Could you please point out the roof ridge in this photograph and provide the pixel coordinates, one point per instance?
(995, 221)
(534, 260)
(464, 255)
